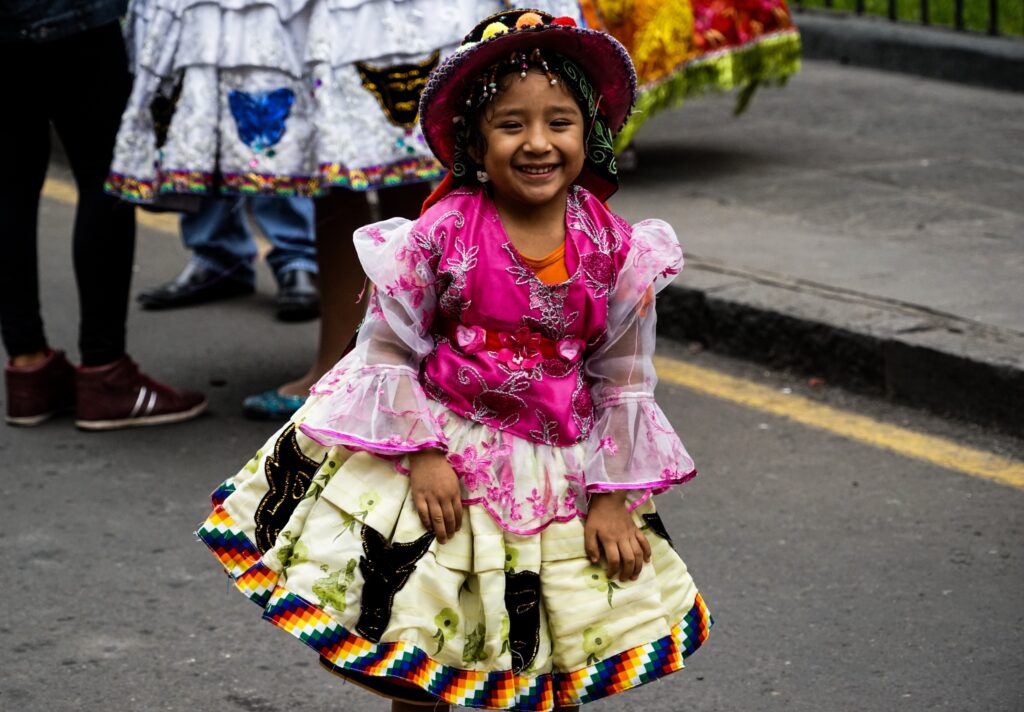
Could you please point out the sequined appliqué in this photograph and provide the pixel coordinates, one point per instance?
(657, 526)
(398, 88)
(288, 471)
(385, 569)
(522, 601)
(260, 116)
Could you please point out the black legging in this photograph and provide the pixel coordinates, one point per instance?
(80, 83)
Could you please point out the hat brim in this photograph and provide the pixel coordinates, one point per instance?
(605, 61)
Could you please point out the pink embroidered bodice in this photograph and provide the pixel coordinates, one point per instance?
(534, 385)
(539, 394)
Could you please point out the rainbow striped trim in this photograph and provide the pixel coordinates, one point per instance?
(130, 189)
(413, 170)
(470, 688)
(183, 181)
(233, 549)
(331, 175)
(269, 184)
(221, 493)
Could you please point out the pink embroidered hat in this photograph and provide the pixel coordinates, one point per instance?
(595, 67)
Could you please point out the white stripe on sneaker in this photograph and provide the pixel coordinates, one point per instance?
(138, 402)
(152, 402)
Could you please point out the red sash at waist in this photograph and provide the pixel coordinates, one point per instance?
(518, 349)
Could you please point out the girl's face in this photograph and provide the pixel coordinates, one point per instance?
(533, 136)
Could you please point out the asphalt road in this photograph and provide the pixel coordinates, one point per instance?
(841, 577)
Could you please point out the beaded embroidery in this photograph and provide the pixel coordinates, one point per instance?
(397, 88)
(260, 116)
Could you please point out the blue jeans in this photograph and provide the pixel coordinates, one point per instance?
(220, 239)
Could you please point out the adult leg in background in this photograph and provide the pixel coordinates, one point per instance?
(94, 88)
(39, 383)
(221, 265)
(111, 392)
(219, 237)
(288, 224)
(29, 152)
(338, 215)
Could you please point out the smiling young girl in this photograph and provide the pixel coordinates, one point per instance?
(462, 513)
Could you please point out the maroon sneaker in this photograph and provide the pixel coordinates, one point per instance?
(118, 395)
(39, 392)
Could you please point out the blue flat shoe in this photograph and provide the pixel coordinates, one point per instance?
(271, 405)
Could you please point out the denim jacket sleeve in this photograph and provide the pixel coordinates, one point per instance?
(35, 21)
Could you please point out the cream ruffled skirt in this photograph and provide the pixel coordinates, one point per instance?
(329, 544)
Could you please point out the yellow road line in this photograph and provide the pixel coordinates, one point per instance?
(938, 451)
(65, 192)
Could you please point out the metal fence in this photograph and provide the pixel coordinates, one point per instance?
(994, 17)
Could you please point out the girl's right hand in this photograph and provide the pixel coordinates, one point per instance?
(436, 493)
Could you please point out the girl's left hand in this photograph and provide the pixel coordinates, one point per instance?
(610, 528)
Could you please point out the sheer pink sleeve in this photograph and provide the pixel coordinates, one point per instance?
(633, 446)
(372, 400)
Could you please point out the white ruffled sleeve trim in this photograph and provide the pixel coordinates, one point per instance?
(372, 400)
(632, 445)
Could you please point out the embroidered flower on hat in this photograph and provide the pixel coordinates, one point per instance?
(564, 21)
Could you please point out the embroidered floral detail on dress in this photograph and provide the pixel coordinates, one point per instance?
(595, 643)
(598, 580)
(332, 588)
(502, 494)
(473, 651)
(598, 267)
(547, 299)
(254, 463)
(511, 558)
(548, 431)
(294, 552)
(583, 406)
(453, 277)
(520, 350)
(539, 503)
(503, 634)
(609, 446)
(447, 622)
(599, 270)
(471, 467)
(367, 502)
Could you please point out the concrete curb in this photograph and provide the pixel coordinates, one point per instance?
(935, 52)
(940, 362)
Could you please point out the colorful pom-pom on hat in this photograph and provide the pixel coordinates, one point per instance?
(529, 19)
(605, 62)
(494, 29)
